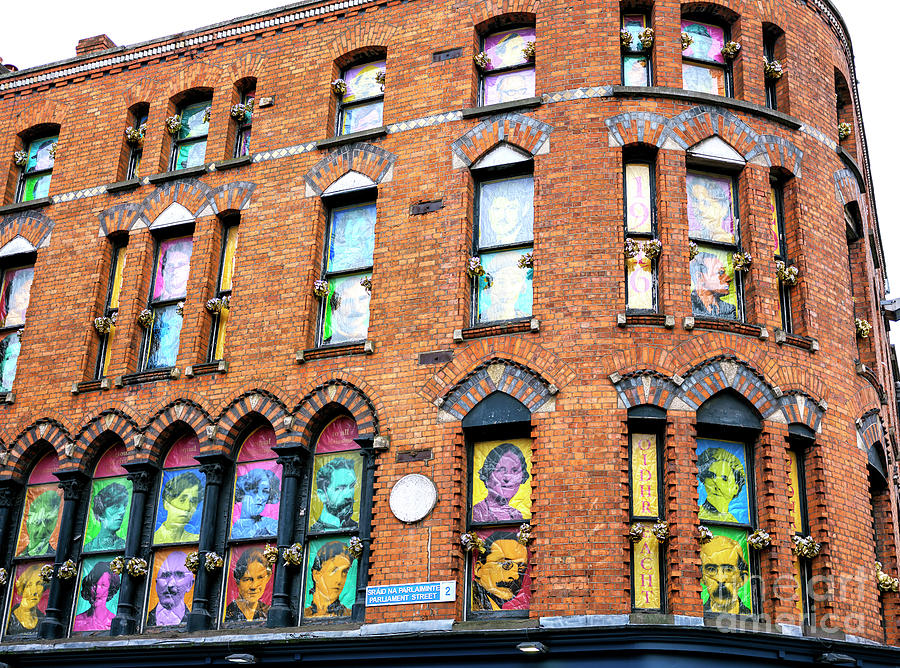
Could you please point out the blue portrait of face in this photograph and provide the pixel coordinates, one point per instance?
(164, 338)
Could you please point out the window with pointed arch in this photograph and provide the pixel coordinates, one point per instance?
(253, 526)
(171, 268)
(176, 533)
(339, 500)
(105, 530)
(28, 591)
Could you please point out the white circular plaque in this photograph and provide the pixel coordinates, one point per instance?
(413, 497)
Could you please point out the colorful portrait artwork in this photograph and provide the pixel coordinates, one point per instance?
(639, 207)
(28, 599)
(336, 487)
(707, 44)
(180, 506)
(725, 573)
(508, 86)
(97, 596)
(173, 264)
(362, 82)
(710, 208)
(501, 574)
(639, 270)
(703, 78)
(346, 309)
(108, 510)
(362, 117)
(40, 155)
(352, 239)
(330, 578)
(194, 125)
(501, 481)
(165, 337)
(506, 212)
(713, 289)
(257, 491)
(338, 435)
(171, 590)
(15, 294)
(10, 346)
(507, 48)
(505, 290)
(248, 586)
(634, 24)
(635, 70)
(722, 481)
(40, 521)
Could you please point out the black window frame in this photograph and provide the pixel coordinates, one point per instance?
(804, 567)
(118, 245)
(781, 255)
(635, 52)
(245, 127)
(12, 263)
(24, 174)
(137, 151)
(343, 106)
(229, 224)
(650, 162)
(178, 143)
(528, 65)
(769, 41)
(727, 68)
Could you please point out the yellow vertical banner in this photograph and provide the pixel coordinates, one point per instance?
(228, 258)
(118, 270)
(794, 493)
(645, 572)
(644, 477)
(798, 580)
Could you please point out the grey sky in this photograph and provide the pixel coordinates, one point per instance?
(29, 38)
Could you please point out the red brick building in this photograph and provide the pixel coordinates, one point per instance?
(613, 294)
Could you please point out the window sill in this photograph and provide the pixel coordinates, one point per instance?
(731, 326)
(645, 319)
(692, 96)
(325, 352)
(231, 163)
(152, 376)
(120, 186)
(187, 172)
(205, 369)
(525, 103)
(94, 385)
(805, 342)
(340, 140)
(497, 329)
(15, 207)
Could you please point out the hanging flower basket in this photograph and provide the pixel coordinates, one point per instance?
(524, 535)
(135, 136)
(52, 150)
(4, 577)
(355, 547)
(806, 547)
(137, 567)
(773, 69)
(482, 61)
(705, 535)
(786, 274)
(173, 124)
(646, 37)
(179, 308)
(366, 282)
(192, 562)
(241, 111)
(529, 51)
(759, 540)
(625, 38)
(886, 583)
(474, 268)
(213, 562)
(381, 79)
(649, 249)
(293, 556)
(218, 304)
(693, 249)
(320, 288)
(526, 261)
(21, 158)
(207, 114)
(863, 328)
(471, 541)
(105, 323)
(145, 318)
(844, 131)
(686, 41)
(339, 87)
(67, 570)
(46, 572)
(636, 533)
(271, 554)
(731, 50)
(742, 261)
(661, 531)
(117, 565)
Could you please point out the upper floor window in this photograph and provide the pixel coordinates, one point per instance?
(222, 301)
(36, 162)
(508, 66)
(770, 38)
(110, 309)
(167, 292)
(361, 105)
(776, 202)
(800, 529)
(15, 293)
(636, 54)
(134, 136)
(714, 238)
(503, 243)
(704, 68)
(242, 113)
(189, 143)
(349, 247)
(641, 248)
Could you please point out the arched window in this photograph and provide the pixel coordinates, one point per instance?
(637, 52)
(171, 268)
(704, 68)
(16, 276)
(361, 105)
(105, 531)
(253, 524)
(175, 533)
(189, 142)
(507, 66)
(110, 312)
(134, 139)
(36, 162)
(28, 591)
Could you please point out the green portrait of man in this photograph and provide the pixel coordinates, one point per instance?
(40, 521)
(725, 573)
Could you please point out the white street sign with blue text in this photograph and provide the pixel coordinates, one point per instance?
(416, 592)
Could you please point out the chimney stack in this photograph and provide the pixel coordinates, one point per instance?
(93, 45)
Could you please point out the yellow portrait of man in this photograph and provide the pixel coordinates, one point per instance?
(501, 480)
(725, 573)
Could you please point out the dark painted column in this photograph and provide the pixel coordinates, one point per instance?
(142, 477)
(213, 467)
(10, 498)
(365, 526)
(73, 484)
(294, 466)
